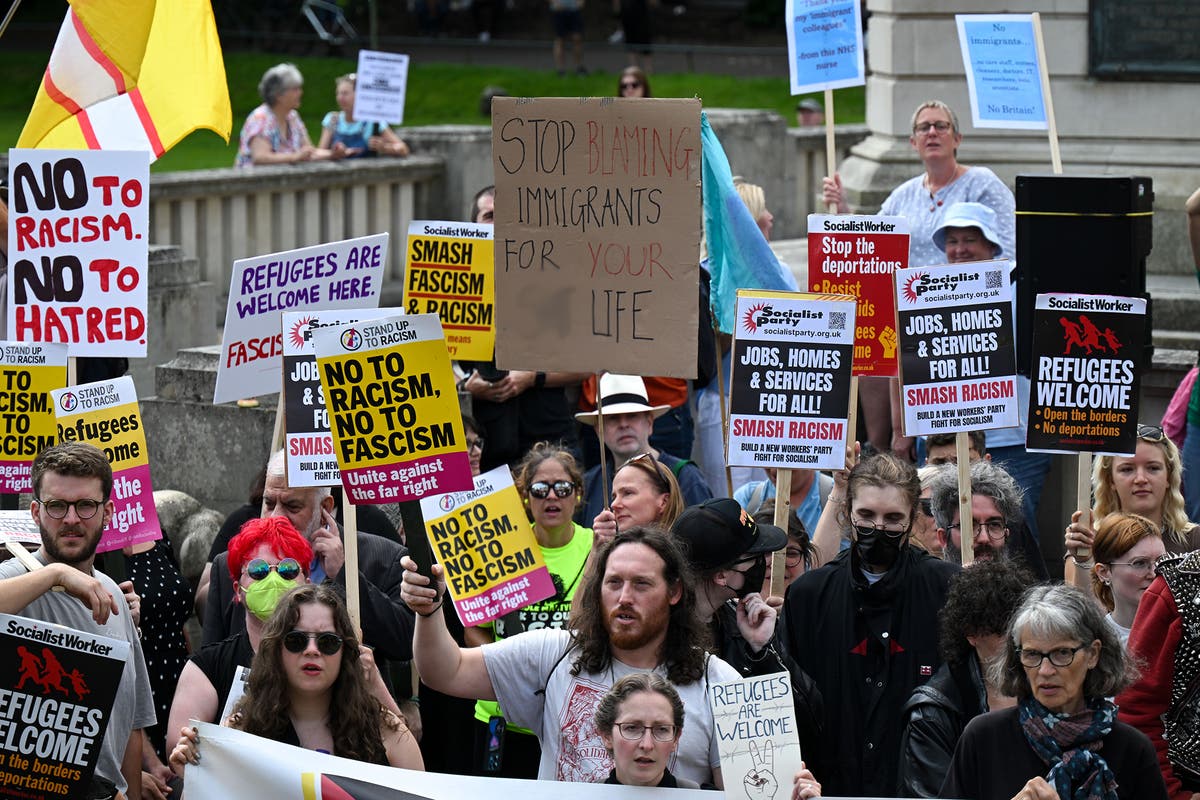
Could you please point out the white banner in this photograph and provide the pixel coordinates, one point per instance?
(237, 766)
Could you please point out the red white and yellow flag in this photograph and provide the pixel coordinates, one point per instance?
(131, 75)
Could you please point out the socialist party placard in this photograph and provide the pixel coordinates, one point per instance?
(957, 362)
(1085, 381)
(859, 256)
(791, 380)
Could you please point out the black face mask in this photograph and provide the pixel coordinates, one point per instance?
(752, 579)
(876, 547)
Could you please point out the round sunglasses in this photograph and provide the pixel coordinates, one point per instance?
(288, 569)
(541, 489)
(297, 641)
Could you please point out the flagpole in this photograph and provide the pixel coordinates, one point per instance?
(12, 12)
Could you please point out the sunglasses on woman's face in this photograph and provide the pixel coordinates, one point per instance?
(297, 642)
(630, 85)
(288, 569)
(541, 489)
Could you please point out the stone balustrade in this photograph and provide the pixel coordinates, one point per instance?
(220, 215)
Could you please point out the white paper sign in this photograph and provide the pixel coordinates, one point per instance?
(999, 53)
(380, 86)
(338, 275)
(756, 736)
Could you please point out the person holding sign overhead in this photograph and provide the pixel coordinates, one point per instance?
(356, 138)
(925, 201)
(550, 483)
(274, 133)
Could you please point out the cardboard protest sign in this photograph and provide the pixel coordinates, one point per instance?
(106, 414)
(30, 372)
(78, 232)
(790, 390)
(858, 256)
(484, 542)
(999, 53)
(307, 440)
(957, 361)
(1086, 384)
(825, 44)
(397, 429)
(597, 234)
(380, 85)
(449, 272)
(339, 275)
(756, 735)
(55, 698)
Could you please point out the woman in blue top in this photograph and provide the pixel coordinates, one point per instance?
(357, 138)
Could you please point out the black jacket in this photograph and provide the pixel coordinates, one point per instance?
(729, 644)
(936, 714)
(867, 647)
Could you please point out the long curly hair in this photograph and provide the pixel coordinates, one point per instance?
(354, 714)
(1175, 521)
(1115, 536)
(687, 641)
(981, 600)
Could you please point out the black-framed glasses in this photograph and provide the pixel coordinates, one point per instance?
(926, 506)
(634, 731)
(478, 443)
(793, 556)
(1059, 656)
(259, 568)
(941, 126)
(327, 643)
(1142, 565)
(995, 528)
(630, 85)
(893, 530)
(58, 509)
(541, 489)
(1150, 433)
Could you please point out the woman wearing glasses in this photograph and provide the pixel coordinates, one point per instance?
(644, 492)
(1146, 483)
(924, 200)
(308, 687)
(1062, 740)
(1126, 548)
(640, 721)
(550, 483)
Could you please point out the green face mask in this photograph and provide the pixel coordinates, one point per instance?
(261, 597)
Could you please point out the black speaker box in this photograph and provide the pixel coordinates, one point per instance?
(1081, 234)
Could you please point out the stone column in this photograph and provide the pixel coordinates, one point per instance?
(1104, 127)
